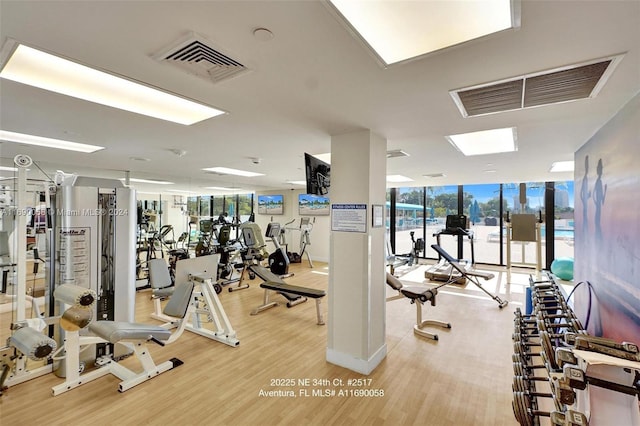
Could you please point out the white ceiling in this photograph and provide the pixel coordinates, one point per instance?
(312, 80)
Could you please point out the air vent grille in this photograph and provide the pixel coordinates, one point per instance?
(562, 86)
(495, 98)
(394, 153)
(544, 88)
(200, 57)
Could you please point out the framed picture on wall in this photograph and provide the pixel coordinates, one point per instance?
(270, 204)
(377, 216)
(313, 205)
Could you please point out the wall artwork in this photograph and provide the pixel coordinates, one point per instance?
(607, 228)
(313, 205)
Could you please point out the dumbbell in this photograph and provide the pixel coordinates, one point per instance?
(519, 336)
(573, 326)
(522, 348)
(624, 350)
(525, 409)
(569, 418)
(521, 369)
(523, 384)
(550, 302)
(550, 318)
(575, 378)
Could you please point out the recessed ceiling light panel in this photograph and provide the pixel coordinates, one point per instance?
(7, 136)
(398, 179)
(485, 142)
(228, 171)
(400, 30)
(156, 182)
(562, 166)
(36, 68)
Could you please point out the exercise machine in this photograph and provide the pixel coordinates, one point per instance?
(471, 275)
(418, 296)
(294, 294)
(278, 260)
(396, 260)
(305, 228)
(134, 336)
(456, 225)
(206, 316)
(524, 228)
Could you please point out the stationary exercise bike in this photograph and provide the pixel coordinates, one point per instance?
(279, 262)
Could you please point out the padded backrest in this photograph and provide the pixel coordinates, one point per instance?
(265, 274)
(393, 282)
(179, 303)
(448, 258)
(159, 276)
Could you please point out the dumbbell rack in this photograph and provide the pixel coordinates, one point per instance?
(553, 342)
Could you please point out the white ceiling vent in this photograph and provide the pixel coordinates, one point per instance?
(199, 56)
(568, 83)
(396, 153)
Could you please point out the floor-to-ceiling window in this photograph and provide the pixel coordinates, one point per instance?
(563, 219)
(525, 198)
(423, 210)
(409, 218)
(482, 208)
(440, 202)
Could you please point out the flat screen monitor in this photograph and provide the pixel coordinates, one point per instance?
(271, 204)
(203, 265)
(318, 174)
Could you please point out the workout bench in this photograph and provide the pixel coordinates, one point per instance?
(471, 275)
(418, 295)
(272, 282)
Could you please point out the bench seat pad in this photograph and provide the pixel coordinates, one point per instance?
(294, 289)
(114, 331)
(420, 293)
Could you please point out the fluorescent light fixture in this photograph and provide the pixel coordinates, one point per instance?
(221, 188)
(401, 30)
(398, 179)
(228, 171)
(434, 175)
(181, 191)
(485, 141)
(8, 169)
(562, 166)
(49, 72)
(297, 182)
(47, 142)
(157, 182)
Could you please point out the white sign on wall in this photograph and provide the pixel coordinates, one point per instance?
(349, 217)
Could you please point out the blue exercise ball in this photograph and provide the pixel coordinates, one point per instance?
(562, 268)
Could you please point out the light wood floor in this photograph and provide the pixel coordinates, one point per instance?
(463, 379)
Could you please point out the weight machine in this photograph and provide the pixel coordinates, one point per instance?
(91, 244)
(456, 225)
(524, 228)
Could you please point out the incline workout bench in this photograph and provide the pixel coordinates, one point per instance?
(272, 282)
(472, 275)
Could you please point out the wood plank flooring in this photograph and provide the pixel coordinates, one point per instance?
(462, 379)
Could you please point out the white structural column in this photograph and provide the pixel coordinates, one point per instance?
(356, 317)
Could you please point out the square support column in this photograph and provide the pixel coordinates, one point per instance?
(356, 318)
